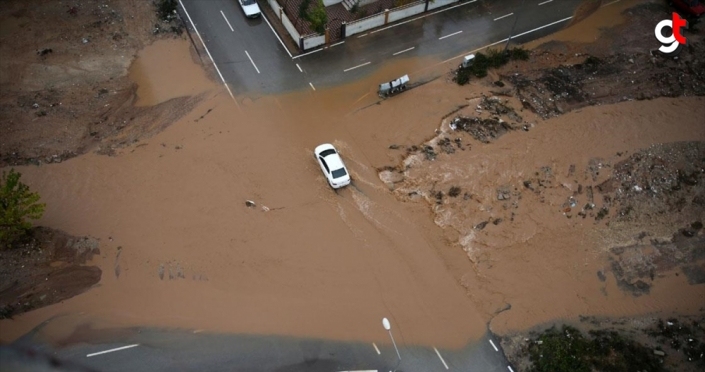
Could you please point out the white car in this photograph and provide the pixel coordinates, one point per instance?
(250, 8)
(332, 166)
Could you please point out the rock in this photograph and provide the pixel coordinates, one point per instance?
(394, 147)
(249, 203)
(659, 353)
(497, 221)
(481, 225)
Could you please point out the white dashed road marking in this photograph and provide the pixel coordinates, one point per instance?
(226, 21)
(338, 43)
(510, 369)
(405, 50)
(615, 1)
(545, 2)
(495, 347)
(209, 53)
(441, 358)
(300, 70)
(358, 66)
(112, 350)
(453, 34)
(311, 84)
(504, 16)
(363, 35)
(253, 62)
(376, 348)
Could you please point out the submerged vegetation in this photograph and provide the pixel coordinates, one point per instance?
(493, 59)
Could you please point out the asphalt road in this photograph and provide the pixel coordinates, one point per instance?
(252, 60)
(142, 349)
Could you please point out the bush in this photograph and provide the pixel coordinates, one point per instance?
(568, 350)
(166, 10)
(318, 17)
(493, 59)
(17, 204)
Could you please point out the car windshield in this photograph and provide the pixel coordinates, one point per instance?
(339, 173)
(248, 2)
(325, 153)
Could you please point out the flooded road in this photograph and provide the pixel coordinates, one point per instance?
(180, 248)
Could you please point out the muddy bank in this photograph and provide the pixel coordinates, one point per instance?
(66, 90)
(46, 268)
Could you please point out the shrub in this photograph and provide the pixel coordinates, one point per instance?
(166, 10)
(493, 59)
(17, 204)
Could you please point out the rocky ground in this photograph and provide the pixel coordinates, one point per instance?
(65, 90)
(48, 267)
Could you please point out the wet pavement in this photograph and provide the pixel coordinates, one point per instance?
(145, 349)
(252, 60)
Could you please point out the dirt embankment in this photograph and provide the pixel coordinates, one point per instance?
(64, 88)
(47, 268)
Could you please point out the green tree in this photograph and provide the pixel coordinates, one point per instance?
(318, 17)
(17, 204)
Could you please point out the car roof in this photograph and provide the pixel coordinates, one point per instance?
(334, 161)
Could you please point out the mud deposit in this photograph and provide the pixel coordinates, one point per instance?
(45, 269)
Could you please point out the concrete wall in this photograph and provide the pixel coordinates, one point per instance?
(290, 27)
(331, 2)
(275, 7)
(364, 24)
(312, 41)
(439, 3)
(365, 2)
(407, 11)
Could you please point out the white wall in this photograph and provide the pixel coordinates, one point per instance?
(290, 27)
(331, 2)
(440, 3)
(275, 7)
(407, 11)
(365, 2)
(364, 24)
(314, 41)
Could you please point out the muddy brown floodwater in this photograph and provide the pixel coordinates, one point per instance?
(467, 228)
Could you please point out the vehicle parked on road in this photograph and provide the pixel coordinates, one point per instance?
(694, 8)
(250, 8)
(332, 166)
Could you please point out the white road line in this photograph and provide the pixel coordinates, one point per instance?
(342, 42)
(402, 51)
(545, 2)
(311, 84)
(277, 35)
(423, 16)
(376, 348)
(209, 53)
(495, 347)
(510, 369)
(305, 54)
(112, 350)
(253, 62)
(226, 21)
(363, 35)
(300, 70)
(615, 1)
(362, 370)
(539, 28)
(441, 358)
(358, 66)
(504, 16)
(453, 34)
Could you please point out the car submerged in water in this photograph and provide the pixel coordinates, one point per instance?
(332, 166)
(250, 8)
